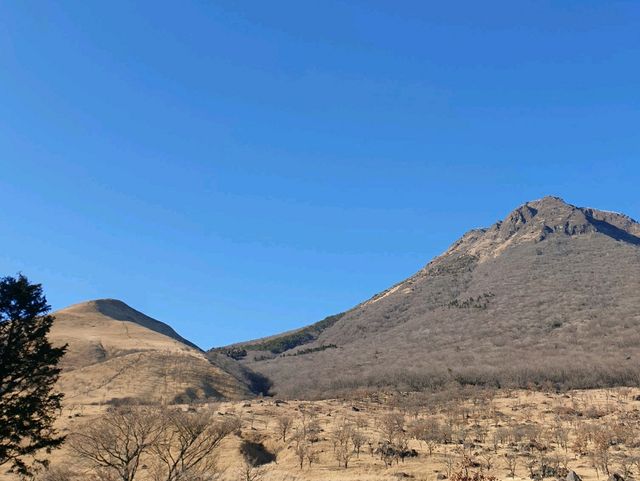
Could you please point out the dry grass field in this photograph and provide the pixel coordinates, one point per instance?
(449, 435)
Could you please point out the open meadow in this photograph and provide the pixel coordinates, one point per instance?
(455, 434)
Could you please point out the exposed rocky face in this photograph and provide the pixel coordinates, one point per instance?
(540, 296)
(537, 220)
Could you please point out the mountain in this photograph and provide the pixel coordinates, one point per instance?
(116, 353)
(550, 294)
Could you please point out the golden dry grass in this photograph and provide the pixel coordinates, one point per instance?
(480, 420)
(116, 352)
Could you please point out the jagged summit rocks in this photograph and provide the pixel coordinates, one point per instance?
(539, 219)
(550, 294)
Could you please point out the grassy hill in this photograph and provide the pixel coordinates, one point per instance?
(118, 354)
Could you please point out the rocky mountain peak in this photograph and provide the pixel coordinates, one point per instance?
(538, 296)
(537, 220)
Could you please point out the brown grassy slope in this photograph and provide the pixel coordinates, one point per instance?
(552, 293)
(116, 352)
(557, 430)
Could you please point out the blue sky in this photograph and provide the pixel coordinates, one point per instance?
(240, 168)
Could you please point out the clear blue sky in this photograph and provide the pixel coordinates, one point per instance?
(240, 168)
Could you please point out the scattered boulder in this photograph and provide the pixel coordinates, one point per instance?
(546, 471)
(533, 444)
(388, 453)
(616, 477)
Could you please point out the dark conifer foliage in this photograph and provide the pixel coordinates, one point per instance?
(28, 372)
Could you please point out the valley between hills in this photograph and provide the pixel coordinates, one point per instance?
(514, 354)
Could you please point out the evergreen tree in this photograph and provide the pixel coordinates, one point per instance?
(28, 372)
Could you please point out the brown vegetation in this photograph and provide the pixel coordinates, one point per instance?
(545, 298)
(460, 434)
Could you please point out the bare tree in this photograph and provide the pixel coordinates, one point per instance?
(302, 449)
(284, 426)
(511, 460)
(600, 454)
(309, 423)
(427, 431)
(313, 456)
(304, 437)
(487, 457)
(249, 472)
(392, 426)
(115, 443)
(358, 440)
(449, 462)
(187, 444)
(561, 435)
(343, 442)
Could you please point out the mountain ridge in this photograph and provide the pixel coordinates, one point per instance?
(547, 263)
(546, 216)
(120, 311)
(116, 353)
